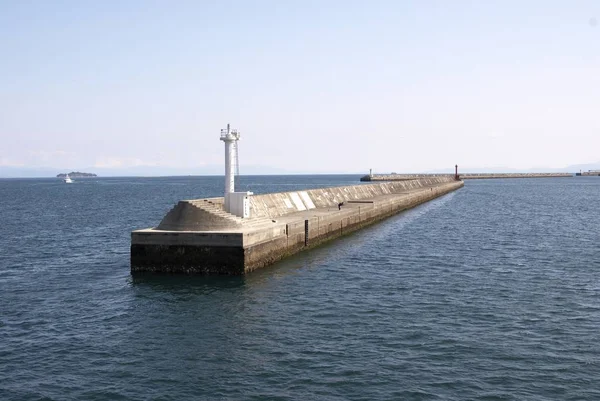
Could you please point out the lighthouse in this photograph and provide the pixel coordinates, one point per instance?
(230, 137)
(234, 202)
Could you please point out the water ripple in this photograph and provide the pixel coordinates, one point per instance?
(490, 293)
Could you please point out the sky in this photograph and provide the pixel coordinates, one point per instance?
(313, 86)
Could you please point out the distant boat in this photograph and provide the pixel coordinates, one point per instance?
(68, 179)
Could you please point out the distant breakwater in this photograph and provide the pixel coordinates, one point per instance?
(465, 176)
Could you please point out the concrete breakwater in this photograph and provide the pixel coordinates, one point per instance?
(465, 176)
(199, 237)
(590, 173)
(469, 176)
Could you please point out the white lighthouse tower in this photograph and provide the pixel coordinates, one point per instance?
(235, 202)
(230, 137)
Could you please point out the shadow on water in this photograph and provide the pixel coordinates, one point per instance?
(199, 284)
(261, 280)
(175, 283)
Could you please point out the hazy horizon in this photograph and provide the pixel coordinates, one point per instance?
(215, 170)
(313, 87)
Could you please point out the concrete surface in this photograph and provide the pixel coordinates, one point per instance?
(198, 237)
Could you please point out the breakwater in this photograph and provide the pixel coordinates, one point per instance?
(465, 176)
(477, 176)
(199, 237)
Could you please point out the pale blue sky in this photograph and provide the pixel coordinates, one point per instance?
(315, 86)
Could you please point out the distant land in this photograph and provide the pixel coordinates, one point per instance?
(76, 174)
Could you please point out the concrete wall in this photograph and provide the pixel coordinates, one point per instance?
(187, 252)
(283, 203)
(267, 250)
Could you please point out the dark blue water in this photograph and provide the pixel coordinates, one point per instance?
(489, 293)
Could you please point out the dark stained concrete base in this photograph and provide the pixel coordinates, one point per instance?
(187, 259)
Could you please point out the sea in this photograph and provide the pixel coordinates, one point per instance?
(491, 292)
